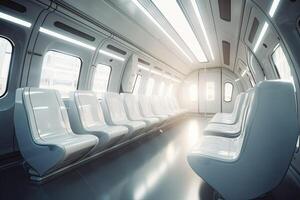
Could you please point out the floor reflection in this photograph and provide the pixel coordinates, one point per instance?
(154, 168)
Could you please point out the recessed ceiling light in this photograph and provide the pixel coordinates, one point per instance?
(173, 13)
(274, 7)
(161, 28)
(66, 38)
(261, 36)
(111, 55)
(196, 10)
(244, 72)
(14, 20)
(156, 72)
(166, 76)
(143, 67)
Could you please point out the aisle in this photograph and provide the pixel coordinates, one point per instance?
(153, 168)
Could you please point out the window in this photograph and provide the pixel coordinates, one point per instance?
(228, 89)
(251, 79)
(193, 92)
(137, 84)
(61, 72)
(282, 66)
(210, 91)
(150, 85)
(101, 79)
(5, 58)
(161, 88)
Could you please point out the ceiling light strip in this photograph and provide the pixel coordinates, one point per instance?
(14, 20)
(166, 76)
(143, 67)
(66, 38)
(244, 73)
(197, 11)
(274, 7)
(261, 36)
(272, 11)
(175, 16)
(161, 28)
(156, 72)
(111, 55)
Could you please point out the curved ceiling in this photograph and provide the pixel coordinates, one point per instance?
(148, 25)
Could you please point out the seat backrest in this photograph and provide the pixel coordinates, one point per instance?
(172, 104)
(131, 106)
(157, 105)
(240, 99)
(145, 106)
(88, 108)
(115, 106)
(175, 103)
(170, 100)
(270, 135)
(241, 112)
(45, 111)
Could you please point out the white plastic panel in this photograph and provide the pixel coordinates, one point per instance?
(130, 73)
(210, 91)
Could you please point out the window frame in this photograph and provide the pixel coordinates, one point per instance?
(146, 90)
(69, 54)
(9, 67)
(136, 78)
(251, 79)
(231, 95)
(109, 77)
(287, 59)
(249, 69)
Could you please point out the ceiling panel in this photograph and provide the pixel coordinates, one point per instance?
(229, 30)
(125, 25)
(208, 21)
(125, 18)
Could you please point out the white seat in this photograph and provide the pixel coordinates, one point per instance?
(230, 118)
(45, 138)
(159, 107)
(176, 107)
(228, 130)
(86, 117)
(254, 163)
(167, 104)
(115, 113)
(133, 112)
(172, 103)
(146, 109)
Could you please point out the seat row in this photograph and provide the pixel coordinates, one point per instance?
(54, 135)
(246, 153)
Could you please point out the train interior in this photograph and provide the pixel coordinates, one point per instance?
(149, 99)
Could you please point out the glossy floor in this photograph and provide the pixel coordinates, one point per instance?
(152, 168)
